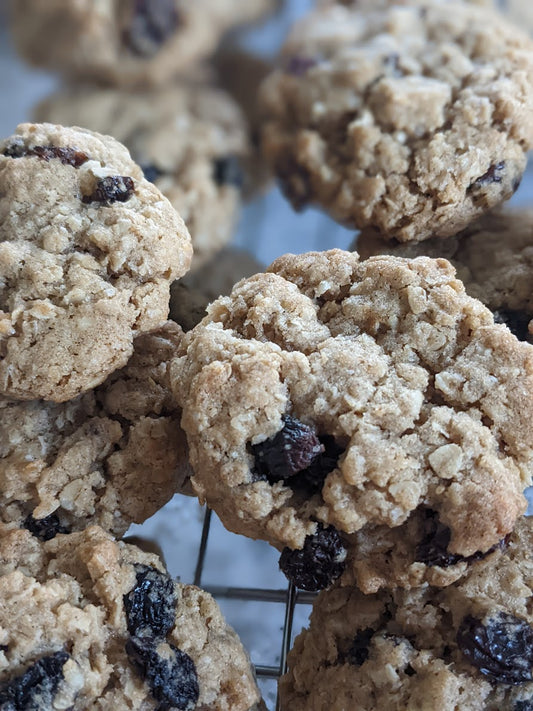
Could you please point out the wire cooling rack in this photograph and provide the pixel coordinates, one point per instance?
(289, 596)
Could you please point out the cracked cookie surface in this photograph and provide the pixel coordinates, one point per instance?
(357, 394)
(413, 119)
(468, 646)
(88, 249)
(190, 139)
(112, 456)
(126, 42)
(90, 623)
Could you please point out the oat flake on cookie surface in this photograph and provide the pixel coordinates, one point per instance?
(329, 398)
(111, 456)
(189, 138)
(411, 119)
(89, 623)
(468, 647)
(88, 249)
(493, 257)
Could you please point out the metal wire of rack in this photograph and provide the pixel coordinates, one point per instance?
(290, 596)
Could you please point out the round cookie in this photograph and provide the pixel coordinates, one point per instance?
(330, 396)
(493, 258)
(90, 623)
(190, 296)
(88, 249)
(189, 138)
(468, 646)
(413, 120)
(112, 456)
(125, 42)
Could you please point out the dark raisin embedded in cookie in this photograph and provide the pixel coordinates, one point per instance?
(358, 652)
(311, 480)
(114, 188)
(35, 689)
(516, 321)
(523, 705)
(169, 672)
(291, 450)
(67, 156)
(151, 605)
(501, 649)
(493, 175)
(318, 564)
(153, 22)
(44, 528)
(295, 181)
(228, 171)
(433, 549)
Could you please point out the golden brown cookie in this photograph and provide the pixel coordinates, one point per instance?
(89, 623)
(88, 249)
(468, 647)
(331, 396)
(412, 119)
(112, 456)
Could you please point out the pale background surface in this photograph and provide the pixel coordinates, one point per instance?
(268, 228)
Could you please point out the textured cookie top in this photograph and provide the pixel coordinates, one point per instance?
(466, 647)
(493, 258)
(410, 119)
(112, 456)
(189, 140)
(89, 623)
(125, 42)
(354, 393)
(88, 249)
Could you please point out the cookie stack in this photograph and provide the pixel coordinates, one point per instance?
(368, 414)
(90, 440)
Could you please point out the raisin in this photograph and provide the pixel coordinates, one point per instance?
(358, 652)
(67, 156)
(298, 66)
(290, 451)
(311, 480)
(516, 321)
(227, 171)
(502, 649)
(432, 550)
(114, 188)
(151, 605)
(172, 678)
(523, 705)
(493, 175)
(153, 22)
(151, 172)
(35, 689)
(44, 528)
(318, 564)
(295, 181)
